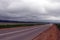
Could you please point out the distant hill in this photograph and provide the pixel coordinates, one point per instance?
(9, 21)
(17, 21)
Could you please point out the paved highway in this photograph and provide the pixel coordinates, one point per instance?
(23, 33)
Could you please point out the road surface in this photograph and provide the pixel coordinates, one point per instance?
(23, 33)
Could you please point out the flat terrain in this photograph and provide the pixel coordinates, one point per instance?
(23, 33)
(4, 23)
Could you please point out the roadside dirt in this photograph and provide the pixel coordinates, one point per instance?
(59, 35)
(50, 34)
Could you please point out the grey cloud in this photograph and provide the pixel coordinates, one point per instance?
(55, 0)
(32, 10)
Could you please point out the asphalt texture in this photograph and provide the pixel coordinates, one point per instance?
(23, 33)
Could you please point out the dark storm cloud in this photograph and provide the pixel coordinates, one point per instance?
(32, 10)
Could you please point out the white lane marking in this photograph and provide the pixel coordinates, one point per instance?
(18, 31)
(24, 34)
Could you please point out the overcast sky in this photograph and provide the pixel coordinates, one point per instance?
(30, 10)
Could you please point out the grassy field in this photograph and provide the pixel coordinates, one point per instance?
(9, 25)
(15, 25)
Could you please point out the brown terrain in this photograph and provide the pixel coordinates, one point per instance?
(51, 34)
(59, 35)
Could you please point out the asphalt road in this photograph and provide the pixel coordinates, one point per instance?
(23, 33)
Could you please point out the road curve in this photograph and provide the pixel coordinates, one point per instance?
(24, 33)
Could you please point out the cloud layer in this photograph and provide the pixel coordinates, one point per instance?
(30, 10)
